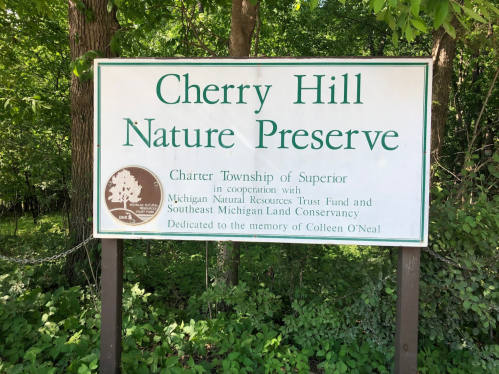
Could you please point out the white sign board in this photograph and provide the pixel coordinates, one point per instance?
(329, 151)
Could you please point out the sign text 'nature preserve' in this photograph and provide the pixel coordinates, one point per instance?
(280, 150)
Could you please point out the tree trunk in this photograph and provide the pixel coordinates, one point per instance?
(488, 140)
(444, 50)
(242, 26)
(15, 216)
(83, 37)
(232, 258)
(30, 199)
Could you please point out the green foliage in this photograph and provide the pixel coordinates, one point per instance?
(45, 332)
(460, 302)
(412, 17)
(180, 28)
(82, 66)
(34, 110)
(89, 14)
(297, 308)
(321, 308)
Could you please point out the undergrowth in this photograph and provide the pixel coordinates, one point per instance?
(297, 309)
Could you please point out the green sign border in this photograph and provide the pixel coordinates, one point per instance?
(264, 63)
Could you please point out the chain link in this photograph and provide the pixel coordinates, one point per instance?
(46, 259)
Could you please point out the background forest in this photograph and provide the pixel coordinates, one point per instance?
(194, 307)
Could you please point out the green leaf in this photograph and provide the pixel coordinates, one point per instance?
(247, 361)
(474, 15)
(450, 29)
(2, 4)
(18, 369)
(79, 68)
(378, 5)
(83, 369)
(171, 361)
(393, 3)
(199, 369)
(232, 356)
(408, 33)
(110, 6)
(93, 365)
(395, 39)
(441, 13)
(90, 357)
(463, 22)
(419, 25)
(466, 228)
(415, 5)
(31, 354)
(342, 368)
(431, 5)
(491, 7)
(467, 304)
(390, 20)
(457, 8)
(313, 4)
(92, 54)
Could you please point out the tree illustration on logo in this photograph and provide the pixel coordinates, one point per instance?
(125, 189)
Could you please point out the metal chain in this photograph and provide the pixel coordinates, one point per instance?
(46, 259)
(445, 259)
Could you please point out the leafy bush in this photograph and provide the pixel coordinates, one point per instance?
(324, 309)
(51, 332)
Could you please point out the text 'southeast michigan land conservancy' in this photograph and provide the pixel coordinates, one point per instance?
(288, 150)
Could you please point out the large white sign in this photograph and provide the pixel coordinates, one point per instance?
(280, 150)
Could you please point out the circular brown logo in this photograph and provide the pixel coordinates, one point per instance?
(133, 195)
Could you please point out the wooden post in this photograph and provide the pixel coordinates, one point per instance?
(406, 329)
(112, 292)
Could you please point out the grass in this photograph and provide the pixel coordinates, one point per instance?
(25, 225)
(45, 238)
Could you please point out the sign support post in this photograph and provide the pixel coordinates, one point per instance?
(112, 292)
(406, 329)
